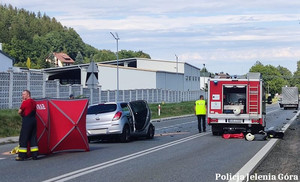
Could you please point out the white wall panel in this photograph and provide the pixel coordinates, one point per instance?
(5, 63)
(128, 78)
(167, 66)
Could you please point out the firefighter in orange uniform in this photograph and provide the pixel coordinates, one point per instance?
(28, 130)
(200, 111)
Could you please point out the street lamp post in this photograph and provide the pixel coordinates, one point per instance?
(177, 76)
(116, 36)
(205, 86)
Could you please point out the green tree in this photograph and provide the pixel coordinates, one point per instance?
(43, 64)
(141, 54)
(104, 55)
(79, 58)
(285, 73)
(296, 77)
(271, 76)
(203, 70)
(123, 54)
(19, 49)
(205, 73)
(28, 63)
(27, 34)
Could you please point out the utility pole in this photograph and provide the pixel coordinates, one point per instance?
(205, 85)
(116, 37)
(177, 77)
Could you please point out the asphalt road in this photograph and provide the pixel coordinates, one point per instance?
(177, 153)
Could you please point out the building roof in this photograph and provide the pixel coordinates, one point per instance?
(7, 55)
(63, 57)
(79, 66)
(114, 62)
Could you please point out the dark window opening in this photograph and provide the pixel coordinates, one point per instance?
(132, 64)
(234, 99)
(67, 77)
(101, 108)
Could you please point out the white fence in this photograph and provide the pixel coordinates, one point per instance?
(13, 83)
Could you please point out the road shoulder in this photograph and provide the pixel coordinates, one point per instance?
(283, 161)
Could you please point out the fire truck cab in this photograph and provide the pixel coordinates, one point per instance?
(236, 104)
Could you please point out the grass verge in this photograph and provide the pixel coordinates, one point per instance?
(10, 123)
(172, 109)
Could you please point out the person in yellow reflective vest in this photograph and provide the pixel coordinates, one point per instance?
(200, 111)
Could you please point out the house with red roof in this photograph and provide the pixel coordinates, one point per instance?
(60, 59)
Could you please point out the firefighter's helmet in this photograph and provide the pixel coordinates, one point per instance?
(250, 137)
(236, 111)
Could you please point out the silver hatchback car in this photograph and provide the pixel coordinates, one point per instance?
(120, 119)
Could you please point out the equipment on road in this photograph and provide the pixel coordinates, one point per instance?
(236, 105)
(249, 137)
(275, 134)
(236, 135)
(290, 97)
(15, 150)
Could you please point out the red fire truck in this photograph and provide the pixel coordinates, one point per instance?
(236, 104)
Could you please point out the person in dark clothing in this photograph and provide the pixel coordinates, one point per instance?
(71, 96)
(28, 130)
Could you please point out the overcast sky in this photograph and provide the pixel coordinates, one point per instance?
(228, 36)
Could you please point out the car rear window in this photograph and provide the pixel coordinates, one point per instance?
(101, 108)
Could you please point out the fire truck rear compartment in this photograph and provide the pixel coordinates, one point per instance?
(234, 99)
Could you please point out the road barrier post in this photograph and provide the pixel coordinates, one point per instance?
(159, 110)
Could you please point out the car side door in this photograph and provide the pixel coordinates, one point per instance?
(141, 114)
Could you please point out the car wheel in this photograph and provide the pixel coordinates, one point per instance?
(151, 131)
(125, 136)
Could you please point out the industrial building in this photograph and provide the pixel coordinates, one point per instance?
(134, 73)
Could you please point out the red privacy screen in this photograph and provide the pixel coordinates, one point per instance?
(61, 125)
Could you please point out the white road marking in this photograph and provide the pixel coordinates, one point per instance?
(254, 162)
(87, 170)
(272, 111)
(286, 126)
(173, 126)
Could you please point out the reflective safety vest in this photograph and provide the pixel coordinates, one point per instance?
(200, 107)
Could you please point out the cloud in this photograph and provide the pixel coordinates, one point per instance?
(169, 23)
(147, 15)
(240, 61)
(222, 33)
(271, 54)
